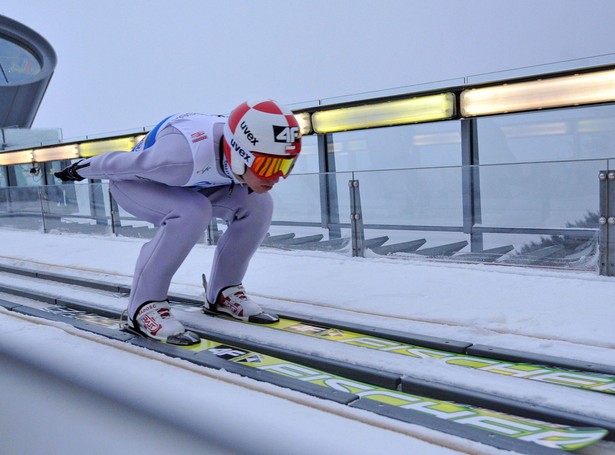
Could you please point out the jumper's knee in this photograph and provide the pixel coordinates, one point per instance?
(194, 213)
(259, 208)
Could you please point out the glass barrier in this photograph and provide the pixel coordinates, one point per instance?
(401, 147)
(543, 214)
(79, 207)
(554, 135)
(419, 197)
(14, 138)
(308, 161)
(526, 214)
(20, 208)
(554, 195)
(297, 199)
(28, 175)
(311, 212)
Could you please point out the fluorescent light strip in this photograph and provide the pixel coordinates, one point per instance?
(305, 123)
(88, 149)
(401, 112)
(66, 152)
(21, 157)
(574, 90)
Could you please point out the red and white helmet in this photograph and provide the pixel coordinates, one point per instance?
(264, 137)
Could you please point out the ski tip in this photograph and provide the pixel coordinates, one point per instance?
(264, 318)
(210, 312)
(261, 318)
(187, 338)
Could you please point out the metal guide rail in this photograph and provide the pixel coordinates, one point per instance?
(379, 391)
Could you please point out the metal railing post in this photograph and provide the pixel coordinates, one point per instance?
(42, 196)
(114, 213)
(606, 221)
(212, 234)
(356, 220)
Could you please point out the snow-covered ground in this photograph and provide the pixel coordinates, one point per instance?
(561, 313)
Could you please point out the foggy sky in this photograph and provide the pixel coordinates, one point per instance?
(124, 64)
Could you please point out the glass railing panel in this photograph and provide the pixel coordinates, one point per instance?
(413, 212)
(556, 195)
(301, 220)
(14, 138)
(80, 208)
(582, 133)
(128, 225)
(297, 199)
(572, 250)
(308, 161)
(420, 197)
(410, 146)
(543, 214)
(20, 208)
(3, 177)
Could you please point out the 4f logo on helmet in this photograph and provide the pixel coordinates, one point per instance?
(288, 134)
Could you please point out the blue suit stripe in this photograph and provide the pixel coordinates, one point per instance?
(150, 139)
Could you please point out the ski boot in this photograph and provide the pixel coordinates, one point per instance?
(155, 320)
(234, 302)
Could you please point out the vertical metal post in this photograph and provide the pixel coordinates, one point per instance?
(356, 220)
(212, 233)
(470, 181)
(115, 214)
(329, 209)
(42, 196)
(606, 221)
(97, 206)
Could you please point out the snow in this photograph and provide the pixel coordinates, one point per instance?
(561, 313)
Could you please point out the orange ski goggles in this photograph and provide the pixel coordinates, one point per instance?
(269, 167)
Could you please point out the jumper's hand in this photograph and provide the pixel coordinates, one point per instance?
(69, 174)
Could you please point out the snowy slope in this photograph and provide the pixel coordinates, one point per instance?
(567, 314)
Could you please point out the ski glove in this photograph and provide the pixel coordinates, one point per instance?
(69, 174)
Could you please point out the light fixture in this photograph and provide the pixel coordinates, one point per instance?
(573, 90)
(400, 112)
(65, 152)
(305, 122)
(88, 149)
(21, 157)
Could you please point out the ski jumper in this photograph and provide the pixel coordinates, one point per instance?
(178, 179)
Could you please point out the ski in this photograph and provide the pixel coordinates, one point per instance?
(548, 435)
(594, 382)
(261, 318)
(329, 330)
(496, 426)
